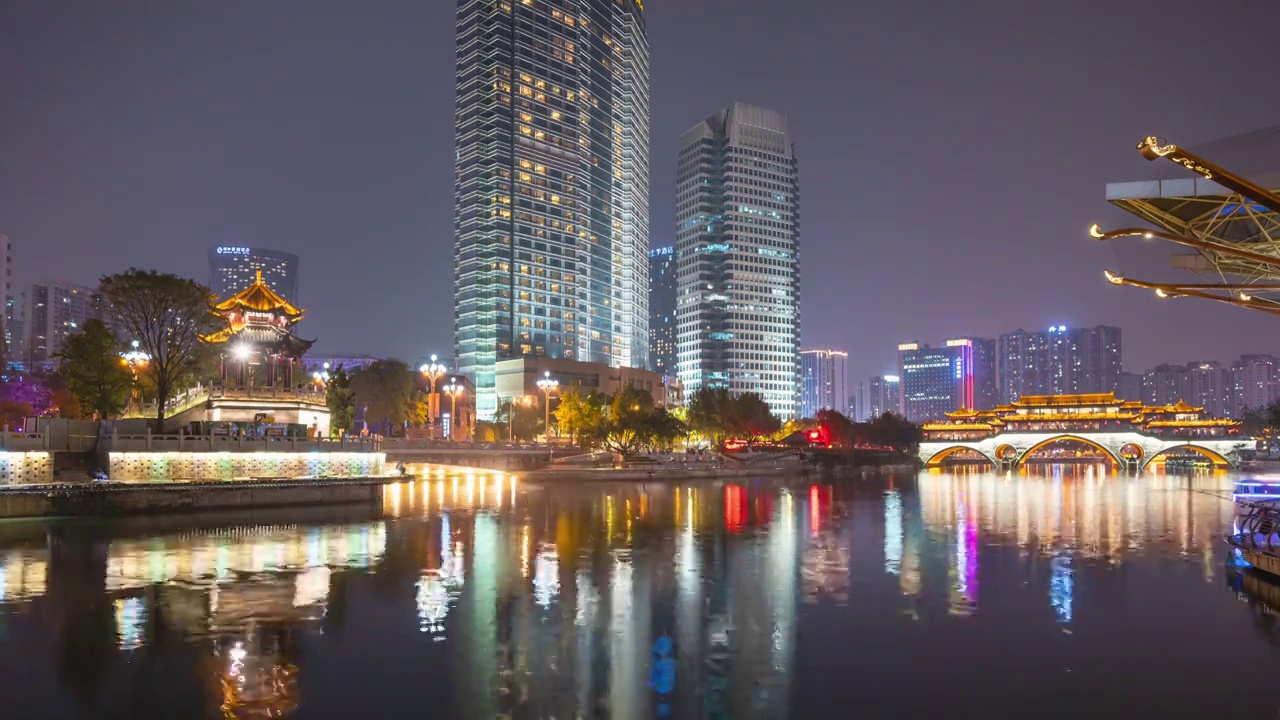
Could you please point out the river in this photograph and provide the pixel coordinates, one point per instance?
(1062, 591)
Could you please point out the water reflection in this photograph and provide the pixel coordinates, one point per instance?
(626, 601)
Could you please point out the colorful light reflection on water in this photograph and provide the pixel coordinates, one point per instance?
(476, 595)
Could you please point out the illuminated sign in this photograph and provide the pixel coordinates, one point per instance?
(958, 343)
(891, 378)
(1057, 328)
(232, 250)
(659, 252)
(908, 346)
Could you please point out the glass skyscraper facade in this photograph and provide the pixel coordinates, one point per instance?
(936, 381)
(884, 395)
(823, 381)
(662, 310)
(737, 255)
(552, 185)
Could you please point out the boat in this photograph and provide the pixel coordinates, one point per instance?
(1258, 535)
(1257, 488)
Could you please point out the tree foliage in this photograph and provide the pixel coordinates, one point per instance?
(717, 415)
(341, 400)
(95, 375)
(580, 415)
(388, 392)
(167, 315)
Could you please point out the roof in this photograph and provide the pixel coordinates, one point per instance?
(259, 298)
(1084, 400)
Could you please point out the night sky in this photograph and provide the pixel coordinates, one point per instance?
(952, 154)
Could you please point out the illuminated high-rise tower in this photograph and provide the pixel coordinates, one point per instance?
(551, 235)
(737, 254)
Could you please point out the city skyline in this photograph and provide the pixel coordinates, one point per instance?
(232, 159)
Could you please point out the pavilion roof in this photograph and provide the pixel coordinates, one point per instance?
(258, 297)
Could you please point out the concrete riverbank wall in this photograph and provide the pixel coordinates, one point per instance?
(109, 499)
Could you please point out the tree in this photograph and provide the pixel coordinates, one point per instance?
(838, 429)
(894, 431)
(629, 428)
(167, 315)
(582, 416)
(709, 413)
(751, 417)
(388, 392)
(96, 376)
(341, 401)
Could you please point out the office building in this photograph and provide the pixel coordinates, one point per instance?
(884, 395)
(518, 378)
(853, 410)
(552, 185)
(662, 310)
(985, 392)
(737, 254)
(233, 268)
(936, 381)
(823, 381)
(1058, 361)
(54, 311)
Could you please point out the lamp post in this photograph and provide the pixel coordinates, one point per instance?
(433, 371)
(547, 385)
(453, 390)
(134, 359)
(511, 417)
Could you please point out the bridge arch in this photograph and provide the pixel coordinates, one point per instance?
(936, 459)
(1110, 454)
(1217, 458)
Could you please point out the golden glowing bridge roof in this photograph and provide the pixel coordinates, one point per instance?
(259, 298)
(1052, 401)
(1079, 408)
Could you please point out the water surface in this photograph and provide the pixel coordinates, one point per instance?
(1064, 591)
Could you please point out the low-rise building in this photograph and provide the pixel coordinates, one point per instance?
(518, 377)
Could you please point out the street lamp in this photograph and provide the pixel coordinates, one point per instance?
(525, 400)
(433, 371)
(453, 390)
(547, 385)
(135, 358)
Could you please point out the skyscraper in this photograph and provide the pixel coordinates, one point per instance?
(823, 381)
(551, 185)
(884, 395)
(936, 381)
(984, 372)
(1210, 386)
(233, 268)
(1256, 378)
(662, 310)
(1058, 361)
(8, 351)
(1165, 384)
(737, 250)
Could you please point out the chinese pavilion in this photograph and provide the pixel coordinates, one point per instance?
(261, 360)
(259, 333)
